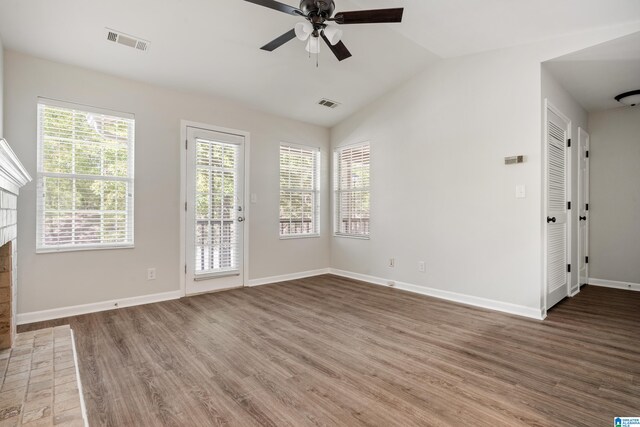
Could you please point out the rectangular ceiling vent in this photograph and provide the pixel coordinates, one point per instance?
(328, 103)
(127, 40)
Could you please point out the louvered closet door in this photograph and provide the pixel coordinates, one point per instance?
(583, 211)
(557, 214)
(214, 211)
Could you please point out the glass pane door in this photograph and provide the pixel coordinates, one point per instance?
(215, 215)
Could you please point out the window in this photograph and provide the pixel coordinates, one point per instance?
(85, 177)
(351, 185)
(299, 191)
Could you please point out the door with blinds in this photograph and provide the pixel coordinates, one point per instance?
(557, 213)
(214, 210)
(583, 207)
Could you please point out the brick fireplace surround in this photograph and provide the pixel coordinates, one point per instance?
(12, 176)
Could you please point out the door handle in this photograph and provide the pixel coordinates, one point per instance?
(583, 218)
(240, 219)
(551, 219)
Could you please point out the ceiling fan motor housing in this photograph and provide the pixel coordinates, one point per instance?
(317, 8)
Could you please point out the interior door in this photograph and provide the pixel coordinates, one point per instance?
(557, 218)
(583, 207)
(214, 210)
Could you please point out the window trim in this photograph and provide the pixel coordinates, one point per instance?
(337, 191)
(40, 175)
(317, 212)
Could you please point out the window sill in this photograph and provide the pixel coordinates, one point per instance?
(301, 236)
(82, 249)
(347, 236)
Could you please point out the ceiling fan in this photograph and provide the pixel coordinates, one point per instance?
(319, 13)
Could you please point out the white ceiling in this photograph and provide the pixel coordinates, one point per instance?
(594, 76)
(213, 45)
(451, 28)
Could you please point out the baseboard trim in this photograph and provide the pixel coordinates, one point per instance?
(285, 277)
(57, 313)
(504, 307)
(614, 284)
(75, 310)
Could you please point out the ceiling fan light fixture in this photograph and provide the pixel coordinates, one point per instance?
(303, 30)
(318, 14)
(631, 98)
(333, 34)
(313, 45)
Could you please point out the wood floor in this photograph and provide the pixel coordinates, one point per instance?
(332, 351)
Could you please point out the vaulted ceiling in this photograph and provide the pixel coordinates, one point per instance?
(213, 45)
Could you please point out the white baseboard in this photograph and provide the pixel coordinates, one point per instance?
(614, 284)
(285, 277)
(57, 313)
(447, 295)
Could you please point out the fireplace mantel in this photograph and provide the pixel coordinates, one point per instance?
(12, 174)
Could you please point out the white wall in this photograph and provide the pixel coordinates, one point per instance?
(563, 101)
(615, 195)
(49, 281)
(1, 89)
(440, 191)
(438, 144)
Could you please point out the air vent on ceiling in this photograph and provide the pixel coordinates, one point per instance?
(127, 40)
(328, 103)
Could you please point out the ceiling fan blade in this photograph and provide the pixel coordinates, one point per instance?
(376, 16)
(339, 49)
(272, 4)
(276, 43)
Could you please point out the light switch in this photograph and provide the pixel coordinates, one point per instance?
(254, 198)
(521, 192)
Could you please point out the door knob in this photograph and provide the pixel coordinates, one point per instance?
(551, 219)
(583, 218)
(240, 218)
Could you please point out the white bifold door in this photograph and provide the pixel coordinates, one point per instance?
(583, 207)
(214, 210)
(557, 213)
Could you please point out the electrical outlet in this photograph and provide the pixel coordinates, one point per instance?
(422, 267)
(392, 262)
(151, 274)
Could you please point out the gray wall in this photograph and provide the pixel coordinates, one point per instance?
(54, 280)
(615, 195)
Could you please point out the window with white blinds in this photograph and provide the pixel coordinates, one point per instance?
(85, 177)
(299, 191)
(351, 191)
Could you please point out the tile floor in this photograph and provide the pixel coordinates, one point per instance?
(39, 383)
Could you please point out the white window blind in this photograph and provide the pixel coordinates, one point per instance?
(351, 186)
(299, 191)
(85, 177)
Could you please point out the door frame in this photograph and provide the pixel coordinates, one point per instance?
(584, 138)
(568, 184)
(184, 124)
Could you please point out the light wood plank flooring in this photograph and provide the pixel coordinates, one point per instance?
(333, 351)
